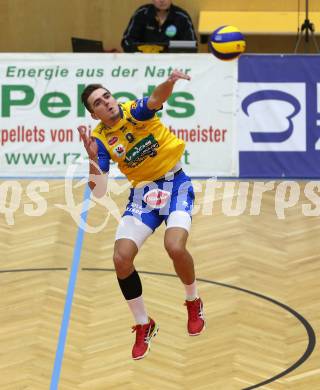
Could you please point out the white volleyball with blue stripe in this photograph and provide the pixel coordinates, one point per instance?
(227, 43)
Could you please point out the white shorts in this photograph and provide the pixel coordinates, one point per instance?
(133, 229)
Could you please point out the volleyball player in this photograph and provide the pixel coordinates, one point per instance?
(148, 154)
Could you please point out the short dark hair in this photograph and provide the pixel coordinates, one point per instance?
(88, 91)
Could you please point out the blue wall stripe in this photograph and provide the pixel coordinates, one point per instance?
(70, 293)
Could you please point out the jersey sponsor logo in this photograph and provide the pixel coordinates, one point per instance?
(156, 198)
(119, 150)
(144, 148)
(112, 140)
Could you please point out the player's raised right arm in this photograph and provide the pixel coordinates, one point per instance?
(97, 179)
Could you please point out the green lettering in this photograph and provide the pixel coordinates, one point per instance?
(79, 72)
(55, 100)
(11, 71)
(188, 109)
(186, 155)
(150, 71)
(8, 101)
(81, 110)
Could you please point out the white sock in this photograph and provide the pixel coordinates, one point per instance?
(191, 291)
(138, 310)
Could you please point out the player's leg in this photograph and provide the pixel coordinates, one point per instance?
(175, 241)
(131, 234)
(178, 224)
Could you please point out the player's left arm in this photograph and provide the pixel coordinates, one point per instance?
(164, 90)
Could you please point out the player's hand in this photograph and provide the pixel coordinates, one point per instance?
(177, 75)
(89, 143)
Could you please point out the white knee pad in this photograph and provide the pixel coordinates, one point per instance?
(133, 229)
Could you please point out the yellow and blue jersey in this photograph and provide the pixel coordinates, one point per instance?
(141, 145)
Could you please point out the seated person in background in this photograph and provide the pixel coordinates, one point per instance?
(158, 22)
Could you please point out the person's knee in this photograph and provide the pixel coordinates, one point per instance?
(175, 249)
(122, 260)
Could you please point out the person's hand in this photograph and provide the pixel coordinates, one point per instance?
(89, 143)
(177, 75)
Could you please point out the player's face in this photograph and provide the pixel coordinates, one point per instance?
(162, 4)
(104, 107)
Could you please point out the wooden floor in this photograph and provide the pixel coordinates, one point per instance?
(258, 277)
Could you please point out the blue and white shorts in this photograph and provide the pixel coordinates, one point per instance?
(169, 199)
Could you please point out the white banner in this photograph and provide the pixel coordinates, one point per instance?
(41, 108)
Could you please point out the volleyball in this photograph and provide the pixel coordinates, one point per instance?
(227, 43)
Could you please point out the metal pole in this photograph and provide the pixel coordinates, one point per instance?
(307, 20)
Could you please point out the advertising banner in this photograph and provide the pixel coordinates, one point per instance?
(278, 121)
(41, 108)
